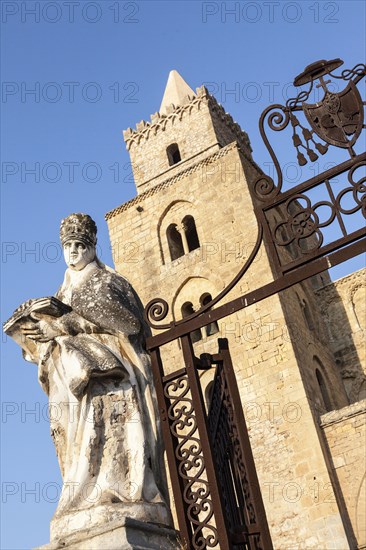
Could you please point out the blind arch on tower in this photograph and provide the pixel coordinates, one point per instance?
(305, 309)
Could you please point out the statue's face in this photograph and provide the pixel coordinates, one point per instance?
(78, 254)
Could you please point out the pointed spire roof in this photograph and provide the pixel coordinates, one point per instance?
(175, 91)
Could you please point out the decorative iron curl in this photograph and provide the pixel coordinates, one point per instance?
(191, 464)
(293, 102)
(200, 539)
(278, 119)
(357, 71)
(156, 310)
(264, 186)
(358, 191)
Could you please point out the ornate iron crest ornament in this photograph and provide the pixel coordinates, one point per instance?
(215, 509)
(338, 117)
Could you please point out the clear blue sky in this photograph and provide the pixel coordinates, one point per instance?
(98, 68)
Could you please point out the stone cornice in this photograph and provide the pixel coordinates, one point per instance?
(329, 293)
(334, 417)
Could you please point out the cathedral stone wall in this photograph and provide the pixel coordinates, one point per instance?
(345, 432)
(343, 305)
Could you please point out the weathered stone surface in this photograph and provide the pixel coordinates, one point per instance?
(345, 432)
(121, 534)
(343, 305)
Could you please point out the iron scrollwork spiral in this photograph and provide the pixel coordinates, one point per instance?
(358, 71)
(191, 465)
(358, 191)
(304, 220)
(277, 117)
(155, 311)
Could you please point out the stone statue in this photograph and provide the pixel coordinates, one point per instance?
(88, 342)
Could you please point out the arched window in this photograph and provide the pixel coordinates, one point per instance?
(174, 242)
(306, 312)
(307, 315)
(323, 390)
(173, 154)
(187, 309)
(213, 327)
(191, 233)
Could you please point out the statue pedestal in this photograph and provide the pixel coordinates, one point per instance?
(128, 534)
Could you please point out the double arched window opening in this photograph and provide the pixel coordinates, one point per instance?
(182, 238)
(188, 309)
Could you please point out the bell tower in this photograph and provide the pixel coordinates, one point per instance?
(189, 127)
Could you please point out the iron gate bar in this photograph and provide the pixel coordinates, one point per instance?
(173, 375)
(296, 276)
(250, 531)
(351, 237)
(201, 417)
(338, 215)
(170, 447)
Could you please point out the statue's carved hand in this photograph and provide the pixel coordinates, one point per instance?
(41, 331)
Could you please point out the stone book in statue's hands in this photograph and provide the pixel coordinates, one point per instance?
(23, 315)
(46, 306)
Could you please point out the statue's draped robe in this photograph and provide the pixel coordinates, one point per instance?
(97, 377)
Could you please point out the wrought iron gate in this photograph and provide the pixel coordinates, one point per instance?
(235, 466)
(212, 470)
(216, 491)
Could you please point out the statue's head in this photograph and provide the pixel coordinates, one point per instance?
(78, 234)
